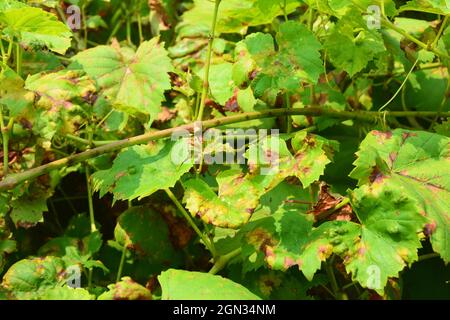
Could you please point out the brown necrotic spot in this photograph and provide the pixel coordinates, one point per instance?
(430, 228)
(376, 175)
(384, 135)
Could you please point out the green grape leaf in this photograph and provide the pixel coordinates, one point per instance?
(66, 293)
(7, 246)
(351, 45)
(13, 95)
(296, 60)
(39, 61)
(134, 81)
(276, 285)
(426, 93)
(126, 289)
(11, 4)
(36, 28)
(137, 172)
(236, 15)
(232, 207)
(145, 232)
(429, 6)
(417, 163)
(28, 278)
(182, 285)
(28, 212)
(220, 81)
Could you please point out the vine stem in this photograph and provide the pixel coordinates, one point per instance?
(372, 116)
(332, 278)
(428, 256)
(141, 35)
(222, 261)
(122, 262)
(387, 23)
(443, 102)
(91, 215)
(90, 202)
(283, 7)
(208, 61)
(441, 30)
(2, 49)
(5, 144)
(18, 59)
(5, 140)
(6, 54)
(85, 27)
(289, 118)
(421, 44)
(401, 86)
(187, 216)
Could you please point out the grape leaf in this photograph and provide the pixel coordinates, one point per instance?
(11, 4)
(296, 60)
(144, 232)
(134, 81)
(126, 289)
(137, 173)
(351, 45)
(236, 15)
(36, 27)
(220, 81)
(390, 227)
(312, 154)
(66, 293)
(28, 278)
(13, 94)
(389, 220)
(430, 6)
(428, 89)
(28, 211)
(288, 238)
(60, 89)
(182, 285)
(231, 208)
(418, 163)
(59, 100)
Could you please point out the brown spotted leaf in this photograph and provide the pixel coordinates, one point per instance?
(390, 230)
(417, 163)
(232, 207)
(30, 278)
(383, 244)
(60, 90)
(126, 289)
(312, 154)
(288, 238)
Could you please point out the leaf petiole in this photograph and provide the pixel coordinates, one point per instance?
(209, 244)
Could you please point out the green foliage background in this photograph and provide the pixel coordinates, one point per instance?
(359, 208)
